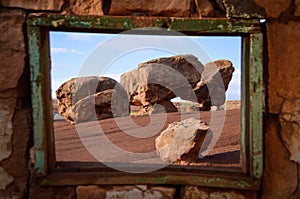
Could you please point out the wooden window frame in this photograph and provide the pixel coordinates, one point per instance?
(39, 26)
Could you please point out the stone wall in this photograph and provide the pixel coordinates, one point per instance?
(282, 115)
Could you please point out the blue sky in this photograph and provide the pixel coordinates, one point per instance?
(83, 54)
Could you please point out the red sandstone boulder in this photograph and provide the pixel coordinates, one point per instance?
(212, 87)
(160, 80)
(89, 98)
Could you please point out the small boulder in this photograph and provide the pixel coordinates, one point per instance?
(181, 141)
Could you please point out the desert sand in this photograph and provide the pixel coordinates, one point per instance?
(69, 144)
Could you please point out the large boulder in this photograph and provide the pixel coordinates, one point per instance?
(89, 98)
(163, 79)
(158, 80)
(211, 88)
(181, 141)
(102, 105)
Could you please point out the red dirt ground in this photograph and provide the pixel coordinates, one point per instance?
(69, 146)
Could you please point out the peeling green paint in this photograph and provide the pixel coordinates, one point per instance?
(125, 23)
(37, 98)
(224, 183)
(256, 106)
(158, 180)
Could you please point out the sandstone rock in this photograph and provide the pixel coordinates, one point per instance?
(86, 7)
(181, 141)
(5, 179)
(276, 9)
(12, 47)
(7, 108)
(86, 192)
(167, 8)
(187, 78)
(78, 88)
(211, 88)
(192, 192)
(132, 193)
(168, 192)
(150, 194)
(89, 98)
(288, 62)
(99, 106)
(163, 107)
(290, 125)
(149, 84)
(205, 8)
(17, 163)
(297, 8)
(192, 108)
(242, 9)
(280, 174)
(54, 5)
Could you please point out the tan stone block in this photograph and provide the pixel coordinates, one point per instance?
(175, 8)
(168, 192)
(17, 163)
(205, 8)
(228, 195)
(7, 107)
(5, 179)
(273, 8)
(297, 8)
(86, 7)
(12, 47)
(242, 9)
(90, 192)
(192, 192)
(290, 127)
(280, 174)
(119, 192)
(34, 4)
(284, 62)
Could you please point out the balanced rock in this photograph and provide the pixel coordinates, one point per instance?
(89, 98)
(162, 79)
(181, 141)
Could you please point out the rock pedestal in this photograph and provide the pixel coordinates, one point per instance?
(211, 88)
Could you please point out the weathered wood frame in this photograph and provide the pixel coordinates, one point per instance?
(39, 26)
